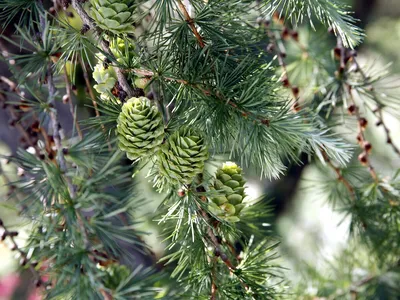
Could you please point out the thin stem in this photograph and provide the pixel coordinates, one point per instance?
(71, 105)
(60, 155)
(24, 257)
(340, 177)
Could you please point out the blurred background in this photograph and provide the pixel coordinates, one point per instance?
(312, 233)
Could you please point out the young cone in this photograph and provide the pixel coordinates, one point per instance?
(105, 78)
(140, 128)
(183, 156)
(115, 16)
(228, 204)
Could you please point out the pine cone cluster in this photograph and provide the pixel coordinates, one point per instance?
(229, 181)
(115, 16)
(140, 128)
(105, 78)
(182, 157)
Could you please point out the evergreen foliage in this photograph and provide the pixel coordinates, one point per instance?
(179, 84)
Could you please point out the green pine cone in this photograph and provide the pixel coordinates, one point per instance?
(115, 273)
(105, 78)
(140, 128)
(230, 182)
(115, 16)
(182, 157)
(124, 52)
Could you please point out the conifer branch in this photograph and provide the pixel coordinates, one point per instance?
(354, 109)
(104, 45)
(191, 23)
(378, 110)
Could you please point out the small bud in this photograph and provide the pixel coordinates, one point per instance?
(70, 14)
(3, 235)
(1, 223)
(150, 96)
(379, 123)
(65, 151)
(217, 252)
(389, 140)
(259, 20)
(181, 193)
(295, 35)
(224, 257)
(337, 52)
(351, 109)
(285, 33)
(367, 146)
(295, 91)
(34, 264)
(65, 99)
(363, 158)
(363, 123)
(285, 82)
(42, 157)
(359, 138)
(37, 283)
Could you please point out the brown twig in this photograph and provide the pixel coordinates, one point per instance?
(378, 110)
(24, 257)
(340, 177)
(71, 105)
(60, 153)
(354, 109)
(190, 22)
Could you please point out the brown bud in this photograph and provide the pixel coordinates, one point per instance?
(351, 109)
(379, 123)
(285, 82)
(363, 123)
(3, 235)
(295, 35)
(65, 151)
(295, 91)
(359, 138)
(1, 223)
(363, 158)
(37, 283)
(389, 140)
(285, 33)
(367, 146)
(337, 52)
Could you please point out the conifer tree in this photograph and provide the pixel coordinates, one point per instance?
(194, 92)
